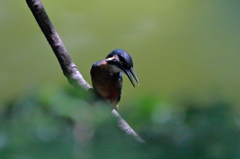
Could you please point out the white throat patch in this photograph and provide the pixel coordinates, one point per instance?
(115, 69)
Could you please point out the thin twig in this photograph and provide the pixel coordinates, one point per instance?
(69, 68)
(125, 127)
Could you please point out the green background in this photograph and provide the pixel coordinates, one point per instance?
(178, 47)
(186, 56)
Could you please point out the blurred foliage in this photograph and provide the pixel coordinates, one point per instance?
(54, 122)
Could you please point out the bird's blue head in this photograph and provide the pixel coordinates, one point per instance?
(122, 60)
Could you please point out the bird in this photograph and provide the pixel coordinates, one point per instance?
(106, 75)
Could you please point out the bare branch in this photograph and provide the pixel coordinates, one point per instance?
(126, 128)
(69, 68)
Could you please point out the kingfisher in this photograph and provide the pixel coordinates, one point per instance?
(106, 75)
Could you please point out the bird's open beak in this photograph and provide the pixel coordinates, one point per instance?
(128, 72)
(129, 75)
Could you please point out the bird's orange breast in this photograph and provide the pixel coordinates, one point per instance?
(106, 83)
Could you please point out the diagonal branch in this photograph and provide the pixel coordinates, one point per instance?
(68, 67)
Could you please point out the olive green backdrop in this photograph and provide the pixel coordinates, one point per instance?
(178, 47)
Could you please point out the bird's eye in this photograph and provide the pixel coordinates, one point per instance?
(122, 60)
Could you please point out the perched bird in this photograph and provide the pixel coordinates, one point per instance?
(107, 77)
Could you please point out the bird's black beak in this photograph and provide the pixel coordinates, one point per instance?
(129, 75)
(128, 72)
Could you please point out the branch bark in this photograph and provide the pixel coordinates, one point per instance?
(69, 69)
